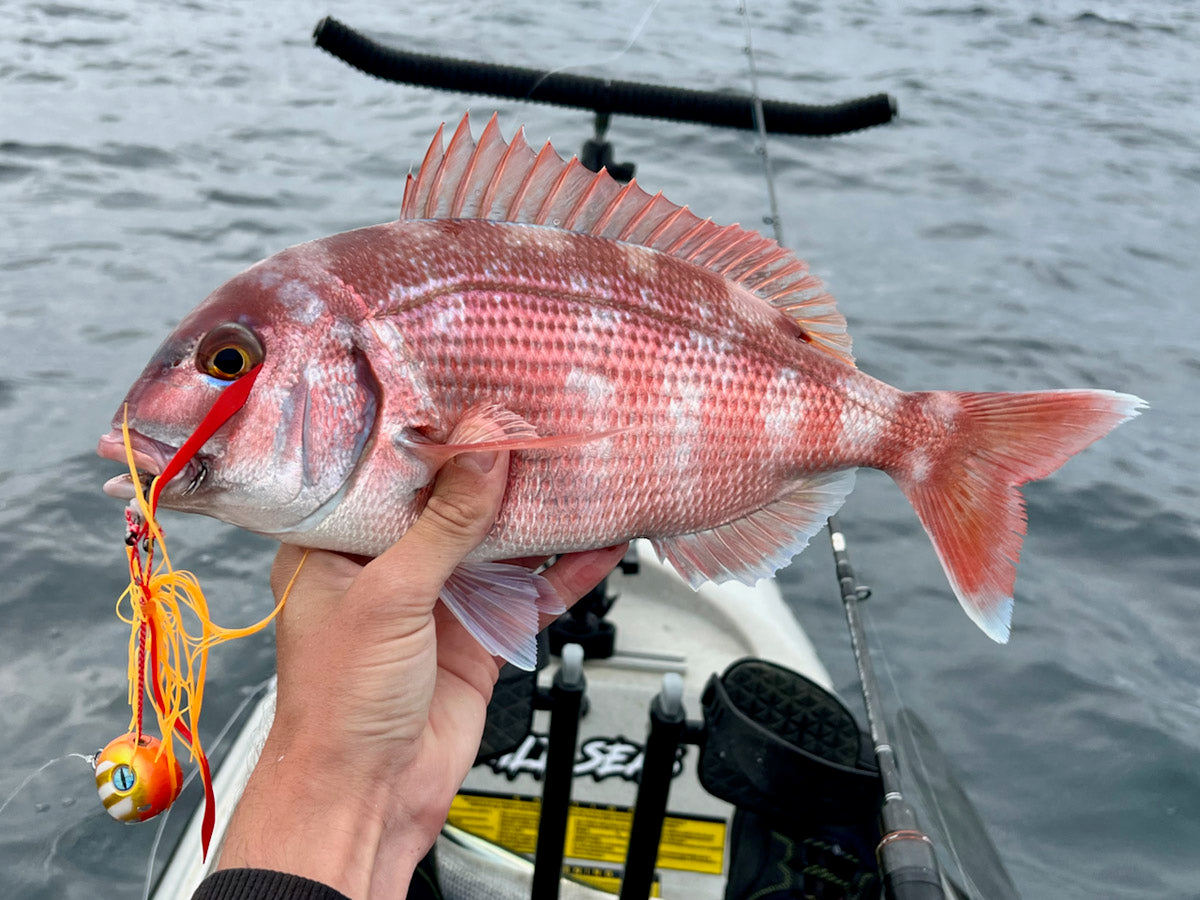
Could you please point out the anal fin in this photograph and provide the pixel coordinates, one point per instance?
(759, 544)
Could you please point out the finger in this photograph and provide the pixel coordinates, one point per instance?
(457, 517)
(526, 562)
(574, 574)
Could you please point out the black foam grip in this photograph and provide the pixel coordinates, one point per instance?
(626, 97)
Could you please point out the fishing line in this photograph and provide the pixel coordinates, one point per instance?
(87, 759)
(633, 37)
(216, 742)
(760, 127)
(38, 771)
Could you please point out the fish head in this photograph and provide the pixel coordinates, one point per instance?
(282, 461)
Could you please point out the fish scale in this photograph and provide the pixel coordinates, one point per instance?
(653, 375)
(557, 340)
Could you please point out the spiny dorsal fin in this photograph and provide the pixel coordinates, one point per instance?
(508, 182)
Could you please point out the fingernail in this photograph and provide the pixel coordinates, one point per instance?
(478, 462)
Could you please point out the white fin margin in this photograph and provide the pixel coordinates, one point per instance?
(760, 544)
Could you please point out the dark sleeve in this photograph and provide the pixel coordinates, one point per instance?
(262, 884)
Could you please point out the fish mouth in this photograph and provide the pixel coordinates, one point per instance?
(150, 457)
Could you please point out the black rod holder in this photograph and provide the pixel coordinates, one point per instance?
(668, 725)
(566, 702)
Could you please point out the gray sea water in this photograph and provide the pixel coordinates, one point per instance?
(1031, 221)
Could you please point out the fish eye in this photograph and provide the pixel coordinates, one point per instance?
(229, 351)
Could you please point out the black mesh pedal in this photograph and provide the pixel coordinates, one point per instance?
(782, 746)
(509, 713)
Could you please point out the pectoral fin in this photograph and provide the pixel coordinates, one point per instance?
(492, 427)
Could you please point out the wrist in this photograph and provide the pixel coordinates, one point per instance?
(303, 814)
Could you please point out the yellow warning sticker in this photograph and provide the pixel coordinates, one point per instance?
(594, 831)
(510, 821)
(605, 879)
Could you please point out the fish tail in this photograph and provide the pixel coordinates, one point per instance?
(965, 484)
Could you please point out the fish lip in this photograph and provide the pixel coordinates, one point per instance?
(150, 457)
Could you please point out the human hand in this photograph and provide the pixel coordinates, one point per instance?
(381, 696)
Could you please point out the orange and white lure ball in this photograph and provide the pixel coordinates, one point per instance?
(135, 781)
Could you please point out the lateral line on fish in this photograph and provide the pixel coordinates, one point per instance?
(545, 185)
(417, 297)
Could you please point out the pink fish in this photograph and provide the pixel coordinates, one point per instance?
(655, 375)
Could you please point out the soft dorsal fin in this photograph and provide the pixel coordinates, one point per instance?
(508, 182)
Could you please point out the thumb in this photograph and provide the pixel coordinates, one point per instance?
(457, 517)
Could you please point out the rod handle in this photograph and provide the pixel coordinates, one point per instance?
(909, 867)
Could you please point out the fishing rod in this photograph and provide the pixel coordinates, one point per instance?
(598, 94)
(906, 856)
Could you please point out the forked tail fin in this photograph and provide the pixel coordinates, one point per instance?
(966, 491)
